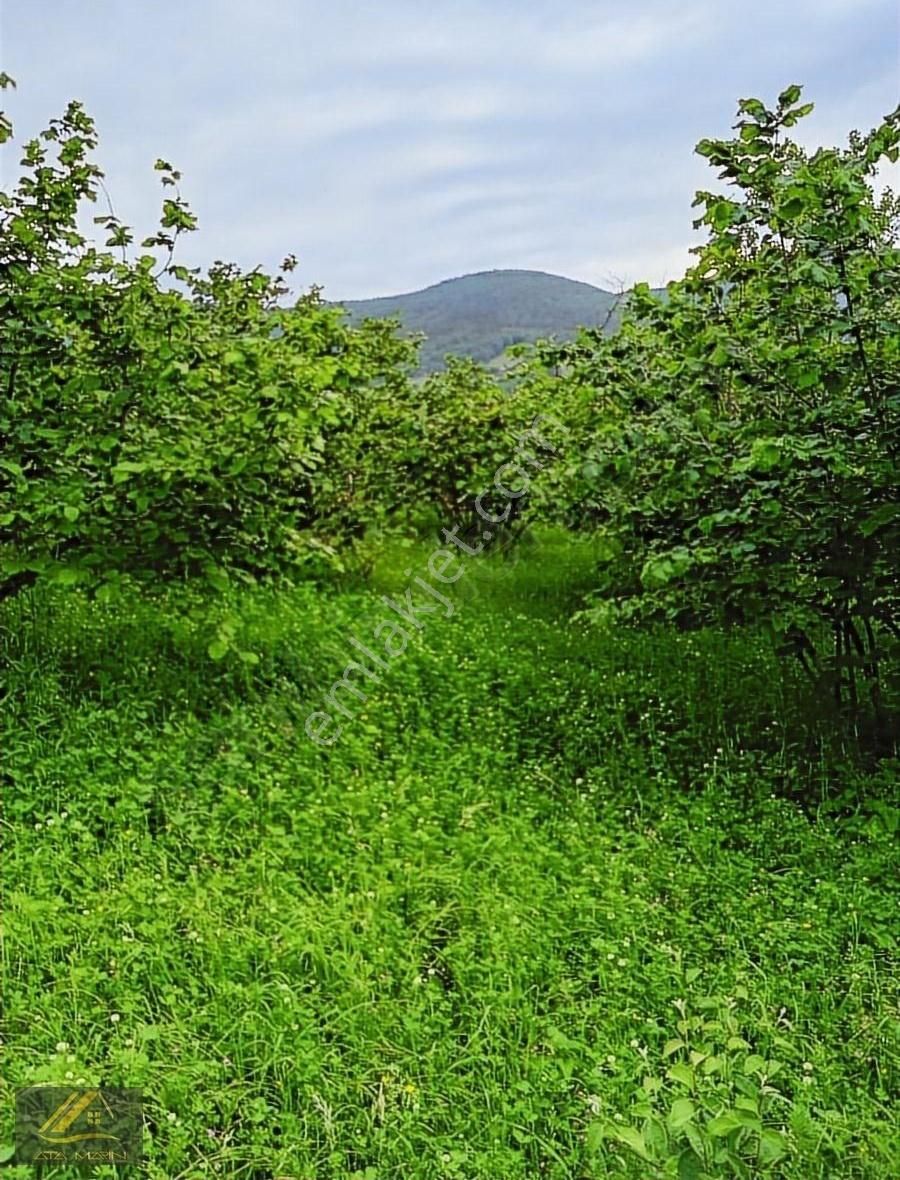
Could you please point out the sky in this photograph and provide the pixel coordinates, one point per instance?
(391, 144)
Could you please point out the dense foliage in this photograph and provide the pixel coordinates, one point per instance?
(158, 428)
(736, 441)
(431, 454)
(742, 434)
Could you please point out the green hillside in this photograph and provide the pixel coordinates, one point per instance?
(479, 315)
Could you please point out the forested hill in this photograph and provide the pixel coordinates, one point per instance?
(479, 315)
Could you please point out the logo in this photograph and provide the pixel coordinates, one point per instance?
(58, 1124)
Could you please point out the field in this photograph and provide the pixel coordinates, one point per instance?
(561, 901)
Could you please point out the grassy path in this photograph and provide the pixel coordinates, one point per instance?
(549, 892)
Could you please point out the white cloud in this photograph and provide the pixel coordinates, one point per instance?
(626, 38)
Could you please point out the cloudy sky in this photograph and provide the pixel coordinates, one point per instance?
(394, 143)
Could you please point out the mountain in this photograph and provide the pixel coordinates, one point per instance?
(479, 315)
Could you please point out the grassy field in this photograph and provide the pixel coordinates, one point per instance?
(561, 903)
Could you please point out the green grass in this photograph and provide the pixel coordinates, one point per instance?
(482, 936)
